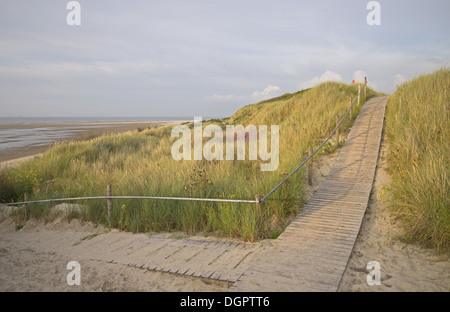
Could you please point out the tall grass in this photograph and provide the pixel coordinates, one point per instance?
(140, 164)
(418, 133)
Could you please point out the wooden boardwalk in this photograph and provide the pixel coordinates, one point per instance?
(312, 253)
(224, 261)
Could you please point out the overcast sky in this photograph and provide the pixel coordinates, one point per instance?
(205, 57)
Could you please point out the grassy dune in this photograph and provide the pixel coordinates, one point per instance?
(140, 164)
(418, 131)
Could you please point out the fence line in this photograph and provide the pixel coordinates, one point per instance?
(258, 200)
(134, 197)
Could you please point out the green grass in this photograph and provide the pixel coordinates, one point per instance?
(140, 164)
(418, 133)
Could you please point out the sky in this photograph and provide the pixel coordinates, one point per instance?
(186, 58)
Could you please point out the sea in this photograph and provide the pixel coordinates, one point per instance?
(19, 134)
(41, 120)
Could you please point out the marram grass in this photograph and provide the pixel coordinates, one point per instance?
(140, 164)
(418, 131)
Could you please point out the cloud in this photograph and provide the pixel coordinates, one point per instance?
(359, 76)
(221, 98)
(399, 79)
(58, 70)
(268, 92)
(326, 76)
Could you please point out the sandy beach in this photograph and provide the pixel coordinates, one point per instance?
(34, 257)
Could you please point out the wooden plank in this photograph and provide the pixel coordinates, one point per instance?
(180, 262)
(132, 248)
(239, 265)
(225, 263)
(187, 260)
(205, 257)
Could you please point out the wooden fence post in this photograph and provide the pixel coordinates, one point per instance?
(359, 92)
(109, 202)
(259, 209)
(337, 131)
(310, 166)
(365, 87)
(351, 109)
(25, 198)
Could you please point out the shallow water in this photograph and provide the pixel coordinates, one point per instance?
(17, 138)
